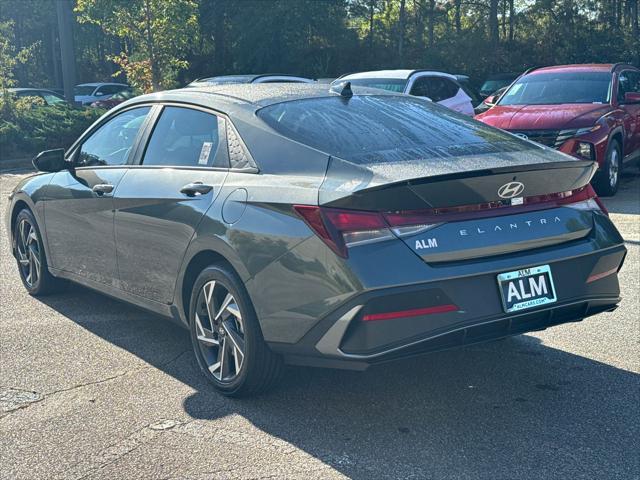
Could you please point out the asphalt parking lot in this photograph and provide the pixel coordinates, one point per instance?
(93, 388)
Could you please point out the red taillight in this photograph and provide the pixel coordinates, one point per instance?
(340, 228)
(332, 225)
(415, 312)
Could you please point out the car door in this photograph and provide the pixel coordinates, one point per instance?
(160, 201)
(79, 209)
(629, 81)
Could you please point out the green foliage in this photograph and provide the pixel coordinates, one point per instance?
(27, 126)
(10, 56)
(157, 33)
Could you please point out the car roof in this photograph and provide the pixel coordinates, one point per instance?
(398, 74)
(99, 84)
(252, 96)
(248, 78)
(585, 67)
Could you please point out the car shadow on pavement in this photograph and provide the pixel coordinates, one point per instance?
(508, 409)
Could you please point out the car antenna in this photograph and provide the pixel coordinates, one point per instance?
(343, 89)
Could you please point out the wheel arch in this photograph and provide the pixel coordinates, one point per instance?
(196, 260)
(618, 134)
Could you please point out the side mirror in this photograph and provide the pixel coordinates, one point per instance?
(632, 97)
(490, 100)
(51, 161)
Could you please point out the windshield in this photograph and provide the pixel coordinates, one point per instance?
(83, 90)
(390, 84)
(556, 88)
(378, 129)
(491, 86)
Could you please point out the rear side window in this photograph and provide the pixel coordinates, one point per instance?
(185, 137)
(436, 88)
(378, 129)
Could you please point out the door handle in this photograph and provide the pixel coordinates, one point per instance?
(102, 188)
(196, 188)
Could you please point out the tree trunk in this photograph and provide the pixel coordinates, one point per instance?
(219, 36)
(512, 20)
(65, 33)
(504, 20)
(457, 17)
(401, 32)
(432, 21)
(372, 5)
(494, 32)
(156, 77)
(419, 27)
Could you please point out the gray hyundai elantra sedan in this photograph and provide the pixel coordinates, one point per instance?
(316, 225)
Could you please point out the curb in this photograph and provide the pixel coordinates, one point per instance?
(16, 163)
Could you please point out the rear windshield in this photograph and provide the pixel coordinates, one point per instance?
(379, 129)
(390, 84)
(559, 87)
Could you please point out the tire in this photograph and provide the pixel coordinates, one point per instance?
(31, 257)
(608, 179)
(218, 293)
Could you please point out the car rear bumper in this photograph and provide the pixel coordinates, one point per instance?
(585, 285)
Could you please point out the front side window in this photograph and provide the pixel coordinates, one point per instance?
(628, 82)
(52, 98)
(112, 142)
(185, 137)
(555, 88)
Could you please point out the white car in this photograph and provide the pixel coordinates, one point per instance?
(439, 87)
(267, 78)
(87, 93)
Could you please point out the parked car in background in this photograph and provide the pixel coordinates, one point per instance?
(87, 93)
(265, 78)
(496, 82)
(49, 97)
(490, 101)
(406, 229)
(114, 100)
(469, 89)
(589, 111)
(439, 87)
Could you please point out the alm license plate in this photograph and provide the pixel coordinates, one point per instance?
(526, 288)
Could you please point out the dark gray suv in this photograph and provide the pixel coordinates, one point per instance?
(317, 225)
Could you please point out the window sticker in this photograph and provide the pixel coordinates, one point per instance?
(204, 153)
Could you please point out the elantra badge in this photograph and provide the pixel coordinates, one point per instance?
(511, 189)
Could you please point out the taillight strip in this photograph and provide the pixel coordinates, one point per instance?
(598, 276)
(415, 312)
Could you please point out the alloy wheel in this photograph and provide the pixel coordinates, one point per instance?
(220, 331)
(613, 168)
(29, 253)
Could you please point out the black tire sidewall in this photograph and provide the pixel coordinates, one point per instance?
(609, 189)
(252, 334)
(26, 214)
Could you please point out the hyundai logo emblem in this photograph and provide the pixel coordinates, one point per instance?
(511, 189)
(521, 135)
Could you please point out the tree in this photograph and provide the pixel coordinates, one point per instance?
(156, 34)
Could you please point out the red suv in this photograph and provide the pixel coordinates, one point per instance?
(588, 111)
